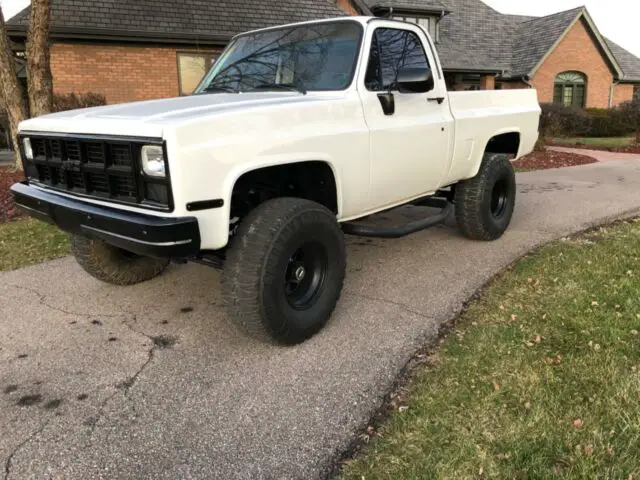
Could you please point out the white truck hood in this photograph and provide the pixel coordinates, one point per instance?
(149, 118)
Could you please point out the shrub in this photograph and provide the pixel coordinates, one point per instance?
(550, 124)
(74, 101)
(610, 125)
(629, 113)
(558, 121)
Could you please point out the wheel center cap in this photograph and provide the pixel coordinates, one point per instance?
(300, 273)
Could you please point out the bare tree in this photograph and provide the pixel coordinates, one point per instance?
(40, 84)
(10, 89)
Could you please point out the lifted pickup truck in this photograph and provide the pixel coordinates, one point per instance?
(294, 134)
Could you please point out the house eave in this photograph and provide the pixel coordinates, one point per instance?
(629, 80)
(381, 9)
(125, 36)
(487, 71)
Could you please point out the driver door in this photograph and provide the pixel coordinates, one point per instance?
(410, 146)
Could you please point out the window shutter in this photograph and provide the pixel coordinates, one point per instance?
(557, 94)
(578, 98)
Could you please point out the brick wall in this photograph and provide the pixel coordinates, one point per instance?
(121, 73)
(623, 93)
(513, 85)
(577, 51)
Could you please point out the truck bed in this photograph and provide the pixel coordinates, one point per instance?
(480, 115)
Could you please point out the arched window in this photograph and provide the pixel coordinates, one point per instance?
(570, 89)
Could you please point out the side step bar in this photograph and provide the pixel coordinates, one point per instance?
(352, 228)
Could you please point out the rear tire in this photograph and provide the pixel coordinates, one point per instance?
(114, 265)
(485, 203)
(284, 270)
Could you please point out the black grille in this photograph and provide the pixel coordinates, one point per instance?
(106, 169)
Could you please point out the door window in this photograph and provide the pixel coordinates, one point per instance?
(392, 49)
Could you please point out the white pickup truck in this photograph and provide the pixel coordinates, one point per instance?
(294, 134)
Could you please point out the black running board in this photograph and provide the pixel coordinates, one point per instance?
(352, 228)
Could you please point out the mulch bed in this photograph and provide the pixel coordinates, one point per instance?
(628, 149)
(551, 159)
(8, 210)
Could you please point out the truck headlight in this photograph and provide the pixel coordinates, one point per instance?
(28, 151)
(153, 163)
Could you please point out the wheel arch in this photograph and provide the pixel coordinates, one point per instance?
(324, 167)
(507, 141)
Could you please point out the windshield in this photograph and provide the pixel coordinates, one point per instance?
(308, 57)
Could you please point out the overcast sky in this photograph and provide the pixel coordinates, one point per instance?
(616, 19)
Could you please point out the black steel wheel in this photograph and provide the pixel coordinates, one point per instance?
(284, 270)
(305, 274)
(500, 198)
(485, 204)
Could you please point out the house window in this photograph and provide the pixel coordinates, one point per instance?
(430, 24)
(191, 69)
(570, 89)
(636, 93)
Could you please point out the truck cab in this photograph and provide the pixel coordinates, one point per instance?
(295, 135)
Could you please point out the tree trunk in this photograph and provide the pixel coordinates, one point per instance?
(10, 89)
(38, 66)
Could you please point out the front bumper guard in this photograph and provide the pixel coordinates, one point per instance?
(148, 235)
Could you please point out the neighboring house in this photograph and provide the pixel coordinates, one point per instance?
(145, 49)
(142, 49)
(563, 56)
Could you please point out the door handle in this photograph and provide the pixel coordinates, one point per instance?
(436, 99)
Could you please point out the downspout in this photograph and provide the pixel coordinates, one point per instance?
(526, 80)
(612, 92)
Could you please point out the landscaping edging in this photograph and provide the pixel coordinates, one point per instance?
(422, 359)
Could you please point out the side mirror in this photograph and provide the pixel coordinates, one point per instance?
(415, 80)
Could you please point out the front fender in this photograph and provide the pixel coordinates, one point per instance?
(278, 160)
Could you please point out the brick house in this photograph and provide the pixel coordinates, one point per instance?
(158, 48)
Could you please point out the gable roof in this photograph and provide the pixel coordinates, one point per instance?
(475, 31)
(168, 20)
(629, 63)
(533, 39)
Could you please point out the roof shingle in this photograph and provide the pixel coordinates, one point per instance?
(474, 36)
(629, 63)
(222, 18)
(532, 39)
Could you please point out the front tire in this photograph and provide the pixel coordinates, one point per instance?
(485, 204)
(114, 265)
(285, 270)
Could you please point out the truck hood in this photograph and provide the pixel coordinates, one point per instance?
(149, 118)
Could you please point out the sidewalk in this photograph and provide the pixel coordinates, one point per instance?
(599, 155)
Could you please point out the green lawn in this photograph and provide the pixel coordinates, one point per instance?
(27, 241)
(612, 142)
(540, 378)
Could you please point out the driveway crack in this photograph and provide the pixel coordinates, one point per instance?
(401, 305)
(42, 299)
(7, 465)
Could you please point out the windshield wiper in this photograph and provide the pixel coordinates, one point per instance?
(280, 86)
(217, 88)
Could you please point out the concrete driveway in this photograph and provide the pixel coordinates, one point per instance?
(153, 382)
